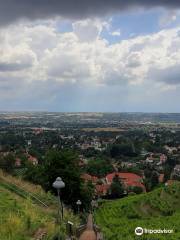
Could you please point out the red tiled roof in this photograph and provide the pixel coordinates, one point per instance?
(124, 176)
(32, 159)
(128, 179)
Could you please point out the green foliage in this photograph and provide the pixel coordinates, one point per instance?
(7, 163)
(87, 193)
(99, 167)
(116, 189)
(137, 189)
(158, 209)
(151, 180)
(154, 179)
(124, 149)
(21, 218)
(64, 164)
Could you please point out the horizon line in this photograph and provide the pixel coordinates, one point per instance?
(113, 112)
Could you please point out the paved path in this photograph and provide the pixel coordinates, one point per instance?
(89, 233)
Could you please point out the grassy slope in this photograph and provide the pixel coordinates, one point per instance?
(21, 218)
(156, 210)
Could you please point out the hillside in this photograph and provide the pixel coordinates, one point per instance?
(27, 212)
(159, 209)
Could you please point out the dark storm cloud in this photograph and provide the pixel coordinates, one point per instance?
(11, 10)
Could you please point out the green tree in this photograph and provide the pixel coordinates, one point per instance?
(116, 189)
(99, 167)
(7, 163)
(87, 193)
(62, 164)
(154, 179)
(124, 149)
(137, 189)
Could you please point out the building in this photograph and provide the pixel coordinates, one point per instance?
(176, 171)
(161, 178)
(170, 149)
(129, 180)
(163, 158)
(102, 189)
(32, 159)
(18, 162)
(88, 178)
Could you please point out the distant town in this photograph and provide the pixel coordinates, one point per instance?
(141, 150)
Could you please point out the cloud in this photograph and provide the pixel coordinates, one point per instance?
(133, 60)
(12, 10)
(116, 33)
(40, 63)
(71, 58)
(169, 75)
(88, 30)
(11, 67)
(168, 17)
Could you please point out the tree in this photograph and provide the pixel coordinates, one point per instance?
(137, 189)
(154, 179)
(116, 189)
(62, 164)
(99, 167)
(87, 191)
(7, 163)
(124, 149)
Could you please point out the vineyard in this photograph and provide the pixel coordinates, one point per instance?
(159, 209)
(27, 212)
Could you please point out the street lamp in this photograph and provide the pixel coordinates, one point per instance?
(58, 185)
(78, 204)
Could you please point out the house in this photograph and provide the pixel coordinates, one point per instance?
(128, 179)
(82, 161)
(102, 189)
(150, 159)
(170, 149)
(85, 146)
(17, 162)
(88, 178)
(123, 177)
(161, 178)
(163, 158)
(32, 159)
(128, 164)
(37, 131)
(177, 170)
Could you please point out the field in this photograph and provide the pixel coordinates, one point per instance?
(159, 209)
(26, 212)
(108, 129)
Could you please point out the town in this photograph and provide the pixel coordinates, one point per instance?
(139, 149)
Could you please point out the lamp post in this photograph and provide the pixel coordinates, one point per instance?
(78, 204)
(58, 185)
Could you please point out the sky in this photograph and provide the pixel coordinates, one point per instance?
(90, 56)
